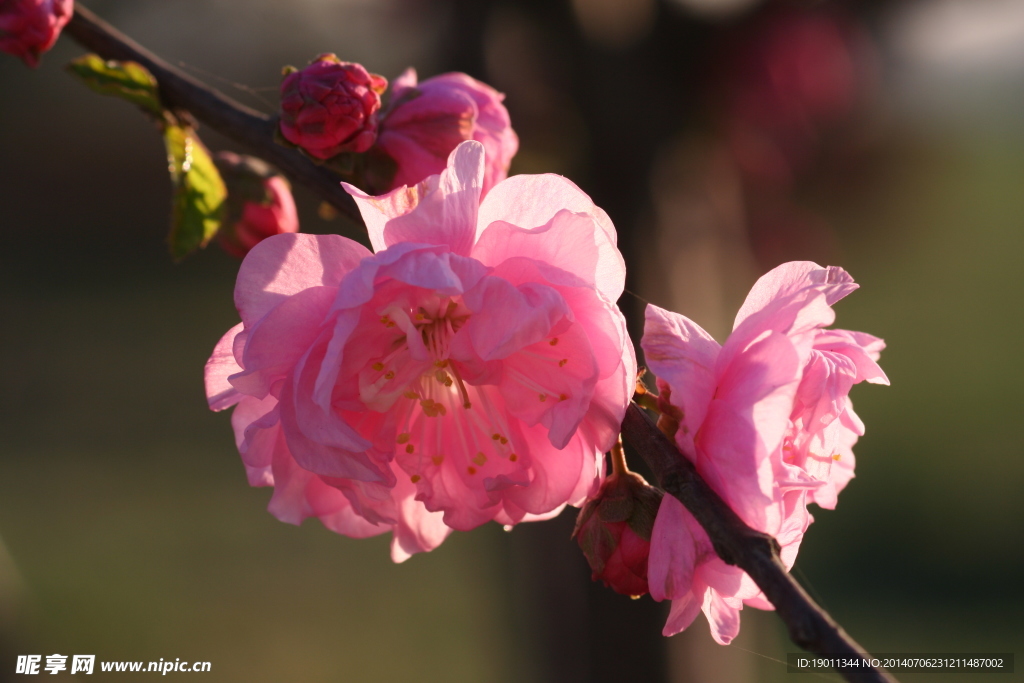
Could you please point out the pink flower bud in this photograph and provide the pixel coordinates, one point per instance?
(614, 532)
(28, 28)
(331, 107)
(259, 204)
(425, 122)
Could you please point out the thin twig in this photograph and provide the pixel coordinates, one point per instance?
(756, 553)
(178, 90)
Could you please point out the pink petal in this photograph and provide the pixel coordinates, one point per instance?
(863, 349)
(257, 426)
(554, 473)
(315, 452)
(790, 278)
(418, 530)
(673, 557)
(378, 210)
(574, 242)
(448, 214)
(299, 494)
(547, 194)
(219, 392)
(507, 318)
(279, 339)
(405, 81)
(539, 389)
(746, 423)
(682, 354)
(723, 619)
(684, 610)
(286, 264)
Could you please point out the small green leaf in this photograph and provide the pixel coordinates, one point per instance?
(127, 80)
(199, 192)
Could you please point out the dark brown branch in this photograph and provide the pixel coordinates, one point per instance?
(756, 553)
(226, 116)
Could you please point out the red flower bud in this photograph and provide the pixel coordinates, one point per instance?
(331, 107)
(28, 28)
(259, 203)
(614, 532)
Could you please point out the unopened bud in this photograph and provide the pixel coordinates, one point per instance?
(614, 531)
(331, 107)
(259, 203)
(28, 28)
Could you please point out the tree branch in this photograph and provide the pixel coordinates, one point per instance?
(232, 119)
(756, 553)
(737, 544)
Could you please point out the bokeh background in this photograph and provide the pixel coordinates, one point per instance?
(722, 136)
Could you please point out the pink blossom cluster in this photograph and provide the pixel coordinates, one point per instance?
(28, 28)
(474, 367)
(767, 421)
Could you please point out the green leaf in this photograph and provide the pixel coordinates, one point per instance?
(127, 80)
(199, 192)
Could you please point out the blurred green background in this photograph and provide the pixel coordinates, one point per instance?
(127, 527)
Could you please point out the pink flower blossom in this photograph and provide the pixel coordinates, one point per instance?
(28, 28)
(767, 421)
(331, 107)
(426, 121)
(474, 368)
(260, 203)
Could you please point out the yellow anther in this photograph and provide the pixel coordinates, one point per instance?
(836, 457)
(562, 362)
(385, 320)
(430, 408)
(448, 382)
(414, 478)
(377, 366)
(410, 448)
(562, 397)
(495, 436)
(391, 323)
(420, 316)
(441, 376)
(390, 374)
(403, 437)
(437, 459)
(513, 457)
(480, 459)
(504, 441)
(441, 409)
(441, 363)
(471, 469)
(543, 397)
(554, 341)
(411, 394)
